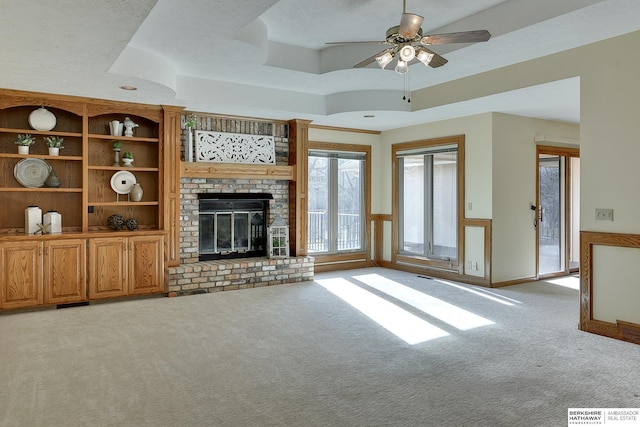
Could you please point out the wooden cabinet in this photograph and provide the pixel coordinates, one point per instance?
(107, 267)
(86, 166)
(21, 280)
(146, 265)
(121, 266)
(121, 262)
(36, 272)
(64, 271)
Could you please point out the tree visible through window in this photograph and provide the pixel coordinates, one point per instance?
(335, 202)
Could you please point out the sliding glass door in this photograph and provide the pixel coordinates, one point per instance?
(557, 223)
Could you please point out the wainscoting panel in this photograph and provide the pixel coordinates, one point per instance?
(608, 298)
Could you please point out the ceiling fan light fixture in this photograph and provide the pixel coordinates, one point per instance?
(402, 67)
(384, 59)
(424, 57)
(410, 25)
(407, 53)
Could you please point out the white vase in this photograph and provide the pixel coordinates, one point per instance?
(52, 222)
(23, 149)
(42, 119)
(54, 151)
(189, 148)
(136, 192)
(115, 127)
(32, 217)
(126, 161)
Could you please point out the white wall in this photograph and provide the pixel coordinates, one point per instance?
(514, 190)
(477, 131)
(610, 154)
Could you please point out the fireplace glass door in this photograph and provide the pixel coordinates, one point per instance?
(225, 233)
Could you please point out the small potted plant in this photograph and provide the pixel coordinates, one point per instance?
(127, 158)
(55, 144)
(24, 142)
(117, 146)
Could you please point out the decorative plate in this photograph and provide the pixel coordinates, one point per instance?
(31, 172)
(122, 182)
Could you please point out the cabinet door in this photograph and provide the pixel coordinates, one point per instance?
(21, 277)
(107, 267)
(64, 271)
(146, 264)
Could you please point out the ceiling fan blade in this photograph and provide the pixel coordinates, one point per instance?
(410, 24)
(461, 37)
(437, 60)
(361, 42)
(370, 59)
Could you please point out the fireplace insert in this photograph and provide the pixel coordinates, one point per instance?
(232, 225)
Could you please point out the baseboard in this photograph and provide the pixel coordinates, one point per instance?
(629, 331)
(513, 282)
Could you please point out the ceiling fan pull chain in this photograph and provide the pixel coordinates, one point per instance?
(408, 86)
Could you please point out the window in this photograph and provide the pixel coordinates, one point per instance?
(335, 201)
(428, 202)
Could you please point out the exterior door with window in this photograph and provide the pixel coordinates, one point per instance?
(557, 222)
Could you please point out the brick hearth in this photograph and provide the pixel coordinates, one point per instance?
(222, 275)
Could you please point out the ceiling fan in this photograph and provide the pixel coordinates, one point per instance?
(408, 43)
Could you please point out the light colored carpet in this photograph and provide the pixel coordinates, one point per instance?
(297, 355)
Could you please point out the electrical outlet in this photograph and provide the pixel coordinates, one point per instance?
(604, 214)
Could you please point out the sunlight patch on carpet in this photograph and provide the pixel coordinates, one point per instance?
(406, 326)
(473, 291)
(570, 282)
(448, 313)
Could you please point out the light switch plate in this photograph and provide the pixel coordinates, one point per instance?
(604, 214)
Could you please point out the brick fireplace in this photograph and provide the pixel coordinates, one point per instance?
(195, 275)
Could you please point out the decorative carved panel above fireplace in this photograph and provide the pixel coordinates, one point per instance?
(226, 147)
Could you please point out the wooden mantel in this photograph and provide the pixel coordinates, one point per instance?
(236, 171)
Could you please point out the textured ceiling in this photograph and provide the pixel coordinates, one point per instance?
(268, 58)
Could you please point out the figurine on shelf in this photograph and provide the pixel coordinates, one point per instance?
(128, 126)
